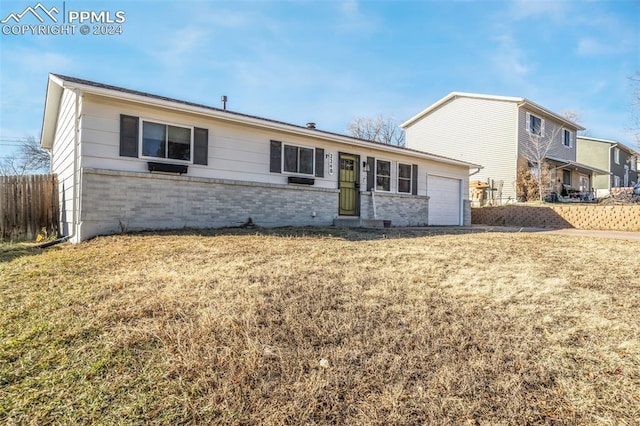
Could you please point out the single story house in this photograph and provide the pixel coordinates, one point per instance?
(128, 160)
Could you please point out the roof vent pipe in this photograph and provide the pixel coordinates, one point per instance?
(224, 102)
(311, 125)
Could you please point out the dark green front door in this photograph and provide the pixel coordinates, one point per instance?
(349, 187)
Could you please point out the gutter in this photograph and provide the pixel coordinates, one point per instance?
(477, 171)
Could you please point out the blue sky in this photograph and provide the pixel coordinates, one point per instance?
(331, 61)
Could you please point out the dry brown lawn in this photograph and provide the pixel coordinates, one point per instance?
(300, 326)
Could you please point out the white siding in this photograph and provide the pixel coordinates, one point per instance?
(480, 131)
(62, 159)
(236, 152)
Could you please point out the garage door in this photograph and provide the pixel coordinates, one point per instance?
(444, 201)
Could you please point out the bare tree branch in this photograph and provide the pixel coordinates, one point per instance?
(535, 152)
(30, 158)
(381, 129)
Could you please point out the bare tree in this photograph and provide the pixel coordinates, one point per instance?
(380, 129)
(575, 116)
(30, 158)
(535, 151)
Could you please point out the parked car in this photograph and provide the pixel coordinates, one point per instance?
(636, 189)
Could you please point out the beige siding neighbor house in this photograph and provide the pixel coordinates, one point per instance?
(496, 131)
(128, 160)
(618, 159)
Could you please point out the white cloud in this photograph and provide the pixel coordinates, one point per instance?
(590, 46)
(549, 9)
(509, 60)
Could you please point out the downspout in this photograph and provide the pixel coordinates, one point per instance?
(476, 172)
(77, 182)
(610, 174)
(373, 200)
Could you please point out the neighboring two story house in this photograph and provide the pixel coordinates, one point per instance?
(494, 131)
(618, 159)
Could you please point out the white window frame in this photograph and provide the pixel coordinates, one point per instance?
(528, 124)
(389, 176)
(298, 173)
(566, 132)
(616, 155)
(616, 181)
(633, 165)
(410, 178)
(164, 123)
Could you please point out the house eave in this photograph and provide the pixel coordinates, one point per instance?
(238, 118)
(612, 143)
(517, 100)
(578, 165)
(51, 109)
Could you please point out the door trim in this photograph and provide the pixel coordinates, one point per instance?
(357, 181)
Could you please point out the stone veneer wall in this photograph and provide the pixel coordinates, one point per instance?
(114, 201)
(597, 217)
(400, 209)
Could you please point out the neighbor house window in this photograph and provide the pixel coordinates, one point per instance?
(616, 181)
(535, 125)
(633, 165)
(566, 177)
(383, 175)
(616, 155)
(166, 141)
(298, 159)
(566, 138)
(404, 178)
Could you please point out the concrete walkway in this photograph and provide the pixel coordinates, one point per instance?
(616, 235)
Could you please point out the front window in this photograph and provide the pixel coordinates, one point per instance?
(404, 178)
(566, 177)
(383, 175)
(566, 138)
(166, 141)
(535, 125)
(616, 155)
(298, 159)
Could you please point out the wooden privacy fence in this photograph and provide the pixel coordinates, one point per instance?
(28, 207)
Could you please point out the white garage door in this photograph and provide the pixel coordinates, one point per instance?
(444, 201)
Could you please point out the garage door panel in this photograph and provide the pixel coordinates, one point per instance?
(444, 200)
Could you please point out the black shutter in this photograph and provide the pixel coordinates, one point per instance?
(129, 136)
(414, 179)
(319, 162)
(371, 174)
(200, 146)
(275, 163)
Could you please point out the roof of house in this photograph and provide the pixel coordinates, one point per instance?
(58, 82)
(520, 101)
(612, 143)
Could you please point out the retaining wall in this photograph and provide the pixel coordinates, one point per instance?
(597, 217)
